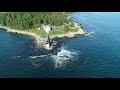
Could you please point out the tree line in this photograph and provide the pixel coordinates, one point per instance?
(28, 20)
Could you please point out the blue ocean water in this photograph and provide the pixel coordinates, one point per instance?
(94, 55)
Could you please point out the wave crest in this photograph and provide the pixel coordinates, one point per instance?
(90, 34)
(64, 57)
(38, 56)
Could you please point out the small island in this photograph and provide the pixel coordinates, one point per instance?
(29, 23)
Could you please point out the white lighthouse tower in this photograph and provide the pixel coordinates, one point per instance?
(47, 29)
(48, 42)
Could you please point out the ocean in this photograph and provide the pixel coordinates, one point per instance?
(94, 55)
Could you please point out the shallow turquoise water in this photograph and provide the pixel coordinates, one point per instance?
(95, 55)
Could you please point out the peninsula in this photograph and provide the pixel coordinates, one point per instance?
(28, 23)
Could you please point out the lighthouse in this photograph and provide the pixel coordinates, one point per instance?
(48, 42)
(47, 29)
(48, 45)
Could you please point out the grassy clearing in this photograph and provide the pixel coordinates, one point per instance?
(62, 30)
(56, 31)
(40, 32)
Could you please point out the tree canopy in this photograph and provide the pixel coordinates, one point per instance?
(28, 20)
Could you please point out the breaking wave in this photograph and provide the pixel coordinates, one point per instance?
(16, 56)
(38, 56)
(64, 57)
(90, 34)
(38, 61)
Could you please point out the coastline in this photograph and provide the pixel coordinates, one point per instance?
(40, 42)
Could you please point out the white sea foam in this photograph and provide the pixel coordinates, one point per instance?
(63, 57)
(38, 56)
(16, 56)
(90, 34)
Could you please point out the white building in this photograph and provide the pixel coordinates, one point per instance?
(47, 28)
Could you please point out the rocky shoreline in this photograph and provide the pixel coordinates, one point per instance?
(40, 42)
